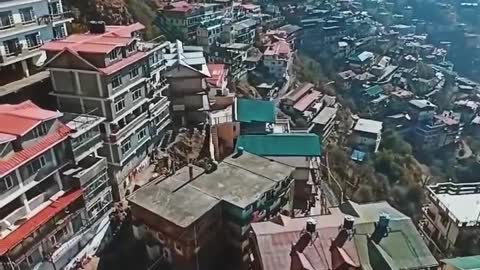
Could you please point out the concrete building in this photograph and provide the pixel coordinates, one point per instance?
(181, 19)
(372, 236)
(193, 218)
(367, 133)
(324, 123)
(278, 59)
(239, 32)
(54, 188)
(24, 27)
(441, 130)
(234, 55)
(421, 109)
(453, 213)
(104, 72)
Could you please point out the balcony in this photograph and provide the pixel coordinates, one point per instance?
(126, 125)
(20, 53)
(88, 146)
(55, 17)
(87, 170)
(158, 105)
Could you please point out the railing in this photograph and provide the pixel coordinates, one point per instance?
(46, 19)
(134, 121)
(87, 146)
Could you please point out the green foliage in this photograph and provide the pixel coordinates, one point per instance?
(395, 143)
(308, 70)
(145, 15)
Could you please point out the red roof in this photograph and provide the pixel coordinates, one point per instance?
(6, 137)
(114, 36)
(306, 101)
(10, 162)
(18, 119)
(217, 72)
(33, 223)
(180, 6)
(280, 48)
(123, 63)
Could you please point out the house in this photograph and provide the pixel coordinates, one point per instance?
(324, 122)
(421, 109)
(278, 59)
(461, 263)
(351, 236)
(345, 79)
(368, 133)
(439, 131)
(254, 116)
(48, 171)
(298, 150)
(359, 62)
(24, 28)
(234, 55)
(218, 80)
(301, 99)
(192, 217)
(103, 72)
(447, 222)
(243, 31)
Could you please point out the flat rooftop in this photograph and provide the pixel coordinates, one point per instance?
(461, 200)
(325, 115)
(81, 123)
(368, 126)
(175, 200)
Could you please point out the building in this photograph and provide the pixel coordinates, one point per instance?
(181, 19)
(461, 263)
(367, 134)
(234, 55)
(239, 32)
(438, 132)
(362, 61)
(301, 99)
(254, 116)
(193, 217)
(352, 236)
(24, 28)
(278, 58)
(447, 222)
(421, 109)
(324, 122)
(218, 80)
(104, 72)
(54, 188)
(188, 89)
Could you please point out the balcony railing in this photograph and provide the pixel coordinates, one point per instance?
(87, 147)
(132, 121)
(49, 18)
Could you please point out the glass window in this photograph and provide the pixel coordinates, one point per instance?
(136, 93)
(133, 72)
(33, 40)
(6, 20)
(116, 81)
(12, 46)
(36, 165)
(6, 183)
(27, 15)
(119, 104)
(141, 134)
(113, 54)
(40, 130)
(54, 8)
(126, 146)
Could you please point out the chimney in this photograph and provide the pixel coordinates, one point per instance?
(306, 236)
(381, 228)
(345, 232)
(97, 27)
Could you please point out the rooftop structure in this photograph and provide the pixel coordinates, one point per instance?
(368, 126)
(294, 144)
(348, 237)
(250, 110)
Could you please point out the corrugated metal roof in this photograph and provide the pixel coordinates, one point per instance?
(252, 110)
(306, 101)
(33, 223)
(281, 144)
(43, 144)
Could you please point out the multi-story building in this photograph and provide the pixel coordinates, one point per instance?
(232, 54)
(24, 27)
(53, 192)
(108, 72)
(441, 130)
(192, 218)
(181, 19)
(367, 134)
(278, 59)
(239, 32)
(452, 215)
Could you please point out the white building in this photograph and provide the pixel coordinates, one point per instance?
(368, 133)
(24, 26)
(278, 59)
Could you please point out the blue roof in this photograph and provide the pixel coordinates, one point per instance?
(358, 155)
(282, 145)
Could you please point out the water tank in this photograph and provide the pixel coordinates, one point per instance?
(311, 225)
(348, 222)
(383, 220)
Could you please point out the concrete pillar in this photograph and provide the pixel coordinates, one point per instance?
(26, 72)
(58, 179)
(24, 199)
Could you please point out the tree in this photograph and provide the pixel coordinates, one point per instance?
(395, 143)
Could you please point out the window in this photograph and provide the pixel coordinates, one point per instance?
(54, 8)
(6, 20)
(126, 146)
(133, 72)
(36, 165)
(116, 81)
(113, 55)
(136, 93)
(7, 183)
(41, 130)
(119, 104)
(27, 15)
(12, 46)
(59, 32)
(141, 134)
(33, 40)
(131, 47)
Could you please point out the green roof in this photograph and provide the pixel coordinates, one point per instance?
(281, 144)
(253, 110)
(464, 263)
(374, 91)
